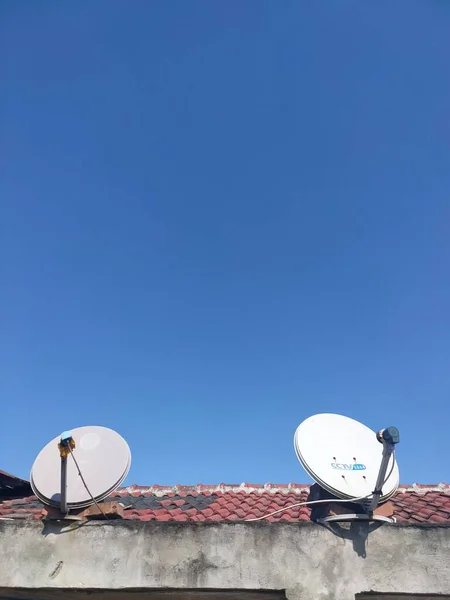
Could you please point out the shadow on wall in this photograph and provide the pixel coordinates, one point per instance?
(355, 531)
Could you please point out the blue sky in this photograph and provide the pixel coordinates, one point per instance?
(218, 218)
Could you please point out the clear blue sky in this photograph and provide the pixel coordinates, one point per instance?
(218, 218)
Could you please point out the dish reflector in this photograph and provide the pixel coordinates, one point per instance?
(104, 459)
(343, 456)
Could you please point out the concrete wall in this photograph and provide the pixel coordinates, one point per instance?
(305, 560)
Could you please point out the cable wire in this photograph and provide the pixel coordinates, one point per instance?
(275, 512)
(85, 485)
(323, 501)
(392, 468)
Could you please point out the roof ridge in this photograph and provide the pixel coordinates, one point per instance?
(248, 488)
(422, 488)
(220, 487)
(264, 488)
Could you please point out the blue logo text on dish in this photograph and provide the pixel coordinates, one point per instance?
(348, 467)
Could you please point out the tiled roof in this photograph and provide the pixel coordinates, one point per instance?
(417, 504)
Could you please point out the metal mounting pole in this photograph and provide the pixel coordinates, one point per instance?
(388, 437)
(63, 497)
(65, 447)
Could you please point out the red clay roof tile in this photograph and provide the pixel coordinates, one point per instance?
(414, 504)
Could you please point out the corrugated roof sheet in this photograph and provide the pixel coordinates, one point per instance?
(12, 486)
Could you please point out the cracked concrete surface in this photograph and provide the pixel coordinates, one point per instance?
(304, 560)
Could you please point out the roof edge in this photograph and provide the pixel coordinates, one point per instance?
(14, 477)
(296, 488)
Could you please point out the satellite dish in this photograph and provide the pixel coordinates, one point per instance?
(102, 457)
(346, 458)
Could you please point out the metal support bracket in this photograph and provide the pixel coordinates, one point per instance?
(389, 437)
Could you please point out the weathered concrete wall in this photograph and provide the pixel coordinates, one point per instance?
(306, 560)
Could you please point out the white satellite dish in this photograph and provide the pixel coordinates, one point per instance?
(347, 459)
(102, 457)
